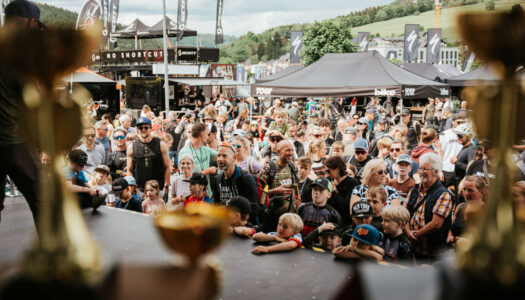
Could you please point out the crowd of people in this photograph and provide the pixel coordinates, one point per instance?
(371, 185)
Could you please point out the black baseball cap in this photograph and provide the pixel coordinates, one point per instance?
(79, 157)
(361, 209)
(198, 178)
(119, 185)
(323, 183)
(335, 231)
(24, 9)
(240, 204)
(405, 112)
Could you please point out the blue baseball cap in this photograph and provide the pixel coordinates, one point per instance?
(361, 143)
(363, 120)
(367, 234)
(131, 180)
(24, 9)
(143, 120)
(404, 158)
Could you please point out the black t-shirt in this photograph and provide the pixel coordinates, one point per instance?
(117, 163)
(306, 190)
(11, 104)
(226, 189)
(340, 199)
(398, 248)
(377, 222)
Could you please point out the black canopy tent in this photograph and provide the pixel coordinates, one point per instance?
(482, 76)
(137, 29)
(282, 73)
(352, 74)
(134, 29)
(155, 31)
(431, 71)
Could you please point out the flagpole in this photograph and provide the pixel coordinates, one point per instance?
(166, 83)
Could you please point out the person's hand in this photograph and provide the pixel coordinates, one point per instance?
(411, 235)
(450, 239)
(177, 200)
(282, 191)
(453, 159)
(326, 226)
(260, 250)
(92, 191)
(280, 240)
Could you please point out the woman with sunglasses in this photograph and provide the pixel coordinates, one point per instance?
(243, 157)
(118, 159)
(374, 174)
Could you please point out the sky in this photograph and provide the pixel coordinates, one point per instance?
(239, 16)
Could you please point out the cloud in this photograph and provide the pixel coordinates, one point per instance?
(239, 16)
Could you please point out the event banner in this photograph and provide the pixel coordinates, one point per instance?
(467, 62)
(104, 4)
(113, 17)
(219, 39)
(145, 56)
(296, 44)
(182, 18)
(411, 43)
(433, 45)
(89, 14)
(363, 41)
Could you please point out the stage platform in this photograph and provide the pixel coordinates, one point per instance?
(131, 239)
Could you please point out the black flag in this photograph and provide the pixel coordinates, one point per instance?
(363, 40)
(89, 14)
(433, 45)
(104, 4)
(296, 44)
(411, 42)
(182, 17)
(113, 17)
(218, 24)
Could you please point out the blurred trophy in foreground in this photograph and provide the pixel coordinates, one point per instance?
(493, 260)
(64, 257)
(194, 231)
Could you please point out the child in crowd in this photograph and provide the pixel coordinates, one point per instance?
(317, 212)
(402, 181)
(338, 149)
(279, 124)
(134, 187)
(239, 225)
(125, 198)
(396, 244)
(153, 203)
(304, 168)
(364, 245)
(351, 170)
(327, 237)
(101, 180)
(376, 196)
(287, 236)
(361, 214)
(198, 185)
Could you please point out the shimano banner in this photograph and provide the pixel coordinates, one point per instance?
(113, 17)
(433, 45)
(363, 41)
(89, 14)
(296, 44)
(218, 24)
(182, 17)
(411, 43)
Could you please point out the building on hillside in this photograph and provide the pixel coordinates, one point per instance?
(393, 48)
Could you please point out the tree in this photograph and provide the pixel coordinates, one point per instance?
(260, 50)
(381, 16)
(490, 5)
(325, 37)
(270, 48)
(277, 44)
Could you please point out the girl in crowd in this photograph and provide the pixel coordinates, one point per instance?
(243, 157)
(145, 111)
(101, 180)
(317, 153)
(474, 189)
(180, 188)
(153, 203)
(374, 174)
(428, 137)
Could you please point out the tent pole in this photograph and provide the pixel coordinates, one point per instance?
(166, 82)
(136, 40)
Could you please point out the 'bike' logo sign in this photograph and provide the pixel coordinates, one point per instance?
(263, 91)
(410, 91)
(384, 92)
(443, 92)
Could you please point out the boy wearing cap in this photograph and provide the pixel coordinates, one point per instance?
(397, 246)
(402, 181)
(364, 245)
(239, 224)
(318, 212)
(125, 198)
(327, 237)
(198, 184)
(76, 181)
(361, 213)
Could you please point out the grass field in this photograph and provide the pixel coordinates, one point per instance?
(426, 19)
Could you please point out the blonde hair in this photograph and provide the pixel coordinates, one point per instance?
(378, 192)
(293, 220)
(428, 135)
(384, 143)
(317, 145)
(279, 112)
(369, 168)
(397, 213)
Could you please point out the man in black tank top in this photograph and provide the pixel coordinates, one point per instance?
(148, 157)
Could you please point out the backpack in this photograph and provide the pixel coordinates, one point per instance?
(277, 201)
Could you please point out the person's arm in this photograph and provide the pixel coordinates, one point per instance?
(80, 189)
(285, 246)
(374, 254)
(129, 162)
(244, 231)
(354, 199)
(261, 237)
(182, 125)
(433, 226)
(450, 236)
(167, 167)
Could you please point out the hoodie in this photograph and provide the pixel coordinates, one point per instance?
(420, 150)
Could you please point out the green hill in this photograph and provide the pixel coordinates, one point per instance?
(396, 27)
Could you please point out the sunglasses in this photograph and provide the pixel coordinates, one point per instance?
(143, 127)
(460, 136)
(228, 145)
(381, 172)
(119, 137)
(238, 146)
(275, 139)
(395, 149)
(360, 152)
(89, 135)
(317, 135)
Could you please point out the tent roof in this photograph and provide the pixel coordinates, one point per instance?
(428, 70)
(171, 29)
(199, 81)
(282, 73)
(84, 75)
(352, 74)
(135, 28)
(483, 75)
(143, 31)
